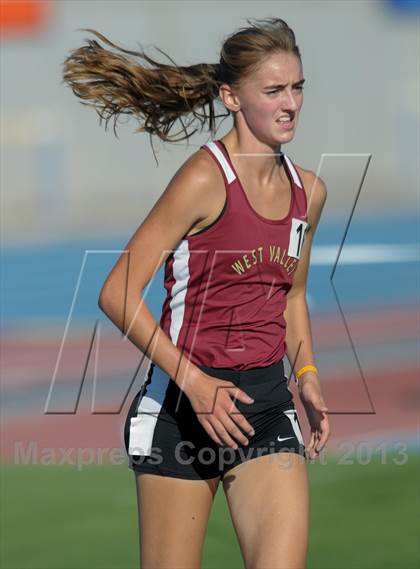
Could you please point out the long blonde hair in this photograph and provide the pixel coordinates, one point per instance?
(159, 95)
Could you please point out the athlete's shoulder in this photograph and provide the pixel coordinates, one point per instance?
(202, 169)
(202, 160)
(314, 185)
(195, 188)
(196, 175)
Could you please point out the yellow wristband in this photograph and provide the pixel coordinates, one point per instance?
(305, 368)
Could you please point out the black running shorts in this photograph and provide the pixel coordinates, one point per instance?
(163, 439)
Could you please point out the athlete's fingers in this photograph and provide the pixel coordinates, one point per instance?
(322, 439)
(222, 432)
(208, 427)
(323, 430)
(316, 443)
(241, 395)
(211, 432)
(311, 444)
(312, 440)
(240, 420)
(233, 429)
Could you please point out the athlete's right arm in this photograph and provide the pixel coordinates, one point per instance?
(186, 200)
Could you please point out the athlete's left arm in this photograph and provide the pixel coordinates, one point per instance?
(298, 328)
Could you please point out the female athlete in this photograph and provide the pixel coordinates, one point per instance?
(234, 228)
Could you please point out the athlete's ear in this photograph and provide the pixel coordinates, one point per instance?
(229, 98)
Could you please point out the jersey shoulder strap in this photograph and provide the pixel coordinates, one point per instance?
(293, 171)
(214, 150)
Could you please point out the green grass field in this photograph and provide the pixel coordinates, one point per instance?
(362, 516)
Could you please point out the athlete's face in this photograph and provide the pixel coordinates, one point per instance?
(271, 95)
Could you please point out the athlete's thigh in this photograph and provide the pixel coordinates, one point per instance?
(173, 516)
(268, 499)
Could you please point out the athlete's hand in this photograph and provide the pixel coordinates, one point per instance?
(316, 410)
(210, 397)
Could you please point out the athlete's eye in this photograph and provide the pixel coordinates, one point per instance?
(298, 87)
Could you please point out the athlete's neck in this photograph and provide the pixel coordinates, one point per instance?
(263, 164)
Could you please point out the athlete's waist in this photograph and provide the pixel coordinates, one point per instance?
(251, 375)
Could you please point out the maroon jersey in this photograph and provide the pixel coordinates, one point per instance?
(227, 284)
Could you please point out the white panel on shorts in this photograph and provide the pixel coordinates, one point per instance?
(143, 425)
(230, 175)
(292, 415)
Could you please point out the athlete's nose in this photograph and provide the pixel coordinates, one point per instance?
(290, 103)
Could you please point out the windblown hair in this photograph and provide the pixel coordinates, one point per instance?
(159, 95)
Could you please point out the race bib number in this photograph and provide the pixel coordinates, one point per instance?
(297, 236)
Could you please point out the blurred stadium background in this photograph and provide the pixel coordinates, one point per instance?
(71, 197)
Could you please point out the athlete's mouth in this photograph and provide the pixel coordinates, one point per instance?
(286, 122)
(285, 118)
